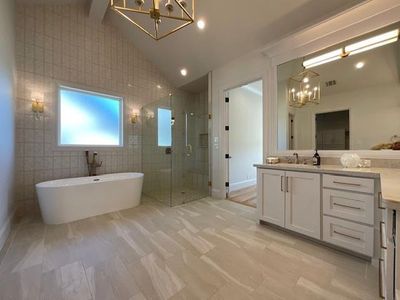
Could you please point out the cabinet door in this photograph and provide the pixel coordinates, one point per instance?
(397, 261)
(303, 203)
(271, 196)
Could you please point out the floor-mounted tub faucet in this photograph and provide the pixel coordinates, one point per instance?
(92, 165)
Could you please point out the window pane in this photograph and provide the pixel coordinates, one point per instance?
(164, 127)
(89, 118)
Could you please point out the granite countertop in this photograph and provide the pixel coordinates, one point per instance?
(390, 178)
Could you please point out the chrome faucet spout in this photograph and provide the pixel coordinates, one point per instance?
(92, 165)
(296, 158)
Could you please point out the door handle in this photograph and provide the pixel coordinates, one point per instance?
(381, 292)
(380, 201)
(347, 235)
(287, 184)
(382, 228)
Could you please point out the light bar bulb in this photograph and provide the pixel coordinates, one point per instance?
(323, 59)
(373, 42)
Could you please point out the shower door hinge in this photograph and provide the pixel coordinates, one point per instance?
(226, 99)
(226, 128)
(226, 184)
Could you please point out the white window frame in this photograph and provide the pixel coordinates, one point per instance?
(121, 121)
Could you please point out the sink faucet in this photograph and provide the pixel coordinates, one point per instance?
(296, 158)
(92, 165)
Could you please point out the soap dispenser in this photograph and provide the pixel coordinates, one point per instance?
(316, 159)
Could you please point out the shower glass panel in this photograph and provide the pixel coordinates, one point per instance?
(157, 150)
(176, 166)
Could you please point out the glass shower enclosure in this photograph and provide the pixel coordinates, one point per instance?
(175, 149)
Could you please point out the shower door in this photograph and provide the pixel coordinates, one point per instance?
(190, 149)
(175, 149)
(157, 150)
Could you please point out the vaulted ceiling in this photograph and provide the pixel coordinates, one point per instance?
(233, 28)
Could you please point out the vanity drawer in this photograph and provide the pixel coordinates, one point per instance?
(355, 184)
(352, 236)
(347, 205)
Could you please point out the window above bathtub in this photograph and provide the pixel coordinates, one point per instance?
(88, 118)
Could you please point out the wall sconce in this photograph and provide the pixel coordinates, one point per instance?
(134, 117)
(37, 107)
(149, 115)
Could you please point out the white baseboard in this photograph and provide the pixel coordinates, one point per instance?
(241, 185)
(217, 194)
(5, 230)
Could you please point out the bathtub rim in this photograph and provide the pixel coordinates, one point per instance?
(74, 181)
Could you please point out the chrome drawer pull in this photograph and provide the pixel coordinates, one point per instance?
(348, 206)
(347, 183)
(287, 184)
(381, 295)
(380, 206)
(346, 235)
(381, 234)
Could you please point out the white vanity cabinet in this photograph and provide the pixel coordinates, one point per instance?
(338, 210)
(290, 200)
(348, 212)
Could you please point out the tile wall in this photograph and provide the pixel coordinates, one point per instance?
(59, 44)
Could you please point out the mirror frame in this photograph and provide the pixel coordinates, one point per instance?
(339, 29)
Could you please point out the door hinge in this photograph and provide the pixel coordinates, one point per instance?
(226, 184)
(226, 99)
(210, 183)
(227, 128)
(227, 156)
(209, 116)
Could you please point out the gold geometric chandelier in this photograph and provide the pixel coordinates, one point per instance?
(304, 88)
(154, 17)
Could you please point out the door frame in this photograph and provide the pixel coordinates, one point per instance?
(225, 122)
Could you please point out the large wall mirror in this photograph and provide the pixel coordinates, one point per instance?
(346, 97)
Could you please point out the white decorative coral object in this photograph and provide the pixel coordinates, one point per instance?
(350, 160)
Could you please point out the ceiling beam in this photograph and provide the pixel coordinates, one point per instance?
(98, 9)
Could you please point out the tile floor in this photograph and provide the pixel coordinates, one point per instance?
(207, 249)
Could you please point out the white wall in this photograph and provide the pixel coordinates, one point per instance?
(245, 69)
(7, 78)
(245, 137)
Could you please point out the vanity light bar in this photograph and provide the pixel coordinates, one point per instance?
(323, 59)
(362, 46)
(374, 42)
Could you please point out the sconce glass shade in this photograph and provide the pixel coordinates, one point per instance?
(304, 88)
(134, 118)
(37, 106)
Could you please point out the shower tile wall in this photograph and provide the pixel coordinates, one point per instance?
(59, 44)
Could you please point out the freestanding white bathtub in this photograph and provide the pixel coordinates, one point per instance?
(67, 200)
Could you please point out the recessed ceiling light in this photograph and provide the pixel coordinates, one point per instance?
(158, 86)
(360, 65)
(183, 72)
(201, 24)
